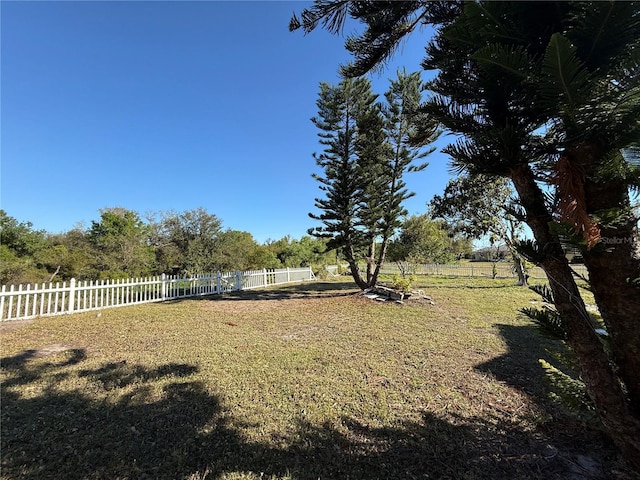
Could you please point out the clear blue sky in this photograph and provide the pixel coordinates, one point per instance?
(156, 106)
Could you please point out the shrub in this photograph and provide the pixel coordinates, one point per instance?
(403, 283)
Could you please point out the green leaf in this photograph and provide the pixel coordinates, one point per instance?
(510, 58)
(569, 391)
(564, 74)
(548, 321)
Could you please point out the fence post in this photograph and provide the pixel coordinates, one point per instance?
(4, 288)
(163, 286)
(238, 280)
(218, 282)
(72, 294)
(264, 277)
(288, 275)
(27, 297)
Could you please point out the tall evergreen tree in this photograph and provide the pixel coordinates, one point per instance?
(339, 109)
(372, 151)
(367, 152)
(402, 115)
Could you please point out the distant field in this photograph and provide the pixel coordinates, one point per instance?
(466, 268)
(302, 382)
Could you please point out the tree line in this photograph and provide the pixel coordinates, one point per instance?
(123, 244)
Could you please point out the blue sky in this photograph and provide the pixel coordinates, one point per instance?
(157, 106)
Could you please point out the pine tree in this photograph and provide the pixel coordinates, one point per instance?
(372, 152)
(367, 152)
(401, 115)
(339, 108)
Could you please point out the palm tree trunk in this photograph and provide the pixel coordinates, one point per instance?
(614, 273)
(596, 368)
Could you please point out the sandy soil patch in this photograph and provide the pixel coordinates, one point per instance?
(10, 325)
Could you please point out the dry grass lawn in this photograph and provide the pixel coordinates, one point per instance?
(303, 382)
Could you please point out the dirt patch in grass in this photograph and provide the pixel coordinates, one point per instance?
(51, 349)
(10, 325)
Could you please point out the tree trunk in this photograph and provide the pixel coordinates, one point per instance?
(353, 266)
(371, 258)
(596, 369)
(382, 255)
(518, 265)
(613, 266)
(518, 261)
(355, 273)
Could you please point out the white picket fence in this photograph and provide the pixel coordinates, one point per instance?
(29, 301)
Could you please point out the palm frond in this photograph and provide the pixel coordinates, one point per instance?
(563, 73)
(544, 291)
(569, 391)
(332, 14)
(531, 251)
(513, 59)
(604, 30)
(516, 211)
(548, 321)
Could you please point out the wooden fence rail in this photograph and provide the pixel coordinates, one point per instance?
(22, 302)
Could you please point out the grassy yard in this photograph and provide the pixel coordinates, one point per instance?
(303, 382)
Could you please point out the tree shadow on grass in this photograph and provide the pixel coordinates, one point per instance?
(112, 422)
(434, 447)
(129, 421)
(301, 291)
(520, 368)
